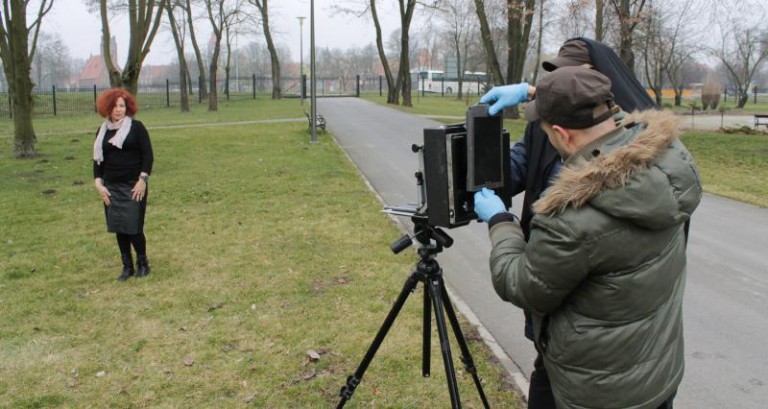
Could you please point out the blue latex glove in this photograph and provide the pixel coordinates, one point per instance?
(505, 96)
(487, 204)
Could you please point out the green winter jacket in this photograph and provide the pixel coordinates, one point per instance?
(604, 270)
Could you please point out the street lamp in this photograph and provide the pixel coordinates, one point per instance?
(312, 85)
(301, 58)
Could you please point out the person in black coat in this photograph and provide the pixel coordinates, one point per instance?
(535, 162)
(122, 163)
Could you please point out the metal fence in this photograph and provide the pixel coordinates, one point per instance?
(167, 94)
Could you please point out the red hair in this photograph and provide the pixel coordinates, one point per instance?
(108, 99)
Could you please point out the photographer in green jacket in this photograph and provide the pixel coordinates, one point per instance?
(603, 272)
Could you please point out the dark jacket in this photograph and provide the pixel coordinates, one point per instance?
(535, 162)
(124, 165)
(603, 271)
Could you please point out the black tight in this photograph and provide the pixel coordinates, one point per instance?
(139, 242)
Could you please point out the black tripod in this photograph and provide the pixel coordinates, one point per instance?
(436, 299)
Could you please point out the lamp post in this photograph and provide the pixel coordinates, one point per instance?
(312, 86)
(301, 58)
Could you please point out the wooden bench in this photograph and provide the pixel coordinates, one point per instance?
(319, 121)
(761, 119)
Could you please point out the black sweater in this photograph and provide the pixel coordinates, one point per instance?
(124, 165)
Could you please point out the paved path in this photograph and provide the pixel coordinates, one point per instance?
(727, 291)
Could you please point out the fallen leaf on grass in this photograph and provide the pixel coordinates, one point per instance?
(308, 375)
(313, 355)
(251, 397)
(188, 360)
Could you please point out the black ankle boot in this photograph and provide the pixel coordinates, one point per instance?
(142, 266)
(127, 267)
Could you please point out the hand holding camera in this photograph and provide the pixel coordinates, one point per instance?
(487, 204)
(506, 96)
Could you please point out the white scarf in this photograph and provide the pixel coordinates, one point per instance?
(123, 127)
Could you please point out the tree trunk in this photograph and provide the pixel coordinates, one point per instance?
(17, 49)
(519, 18)
(213, 94)
(459, 73)
(198, 56)
(392, 97)
(497, 78)
(183, 90)
(275, 61)
(743, 98)
(538, 43)
(628, 20)
(24, 137)
(144, 20)
(678, 96)
(406, 15)
(228, 64)
(599, 24)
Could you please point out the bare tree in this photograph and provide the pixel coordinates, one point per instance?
(257, 57)
(493, 31)
(599, 20)
(579, 19)
(630, 14)
(369, 7)
(497, 78)
(17, 50)
(262, 6)
(456, 14)
(198, 55)
(144, 18)
(178, 32)
(221, 13)
(231, 31)
(392, 85)
(742, 53)
(663, 34)
(406, 8)
(539, 40)
(52, 61)
(519, 22)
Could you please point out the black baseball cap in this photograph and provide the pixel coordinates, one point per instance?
(572, 97)
(572, 53)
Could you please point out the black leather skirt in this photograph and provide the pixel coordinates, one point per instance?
(124, 215)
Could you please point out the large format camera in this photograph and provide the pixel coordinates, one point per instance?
(456, 161)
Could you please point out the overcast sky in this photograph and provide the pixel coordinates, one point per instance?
(81, 31)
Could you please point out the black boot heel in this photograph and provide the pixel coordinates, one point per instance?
(128, 270)
(142, 266)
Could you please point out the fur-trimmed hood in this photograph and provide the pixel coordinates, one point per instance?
(644, 174)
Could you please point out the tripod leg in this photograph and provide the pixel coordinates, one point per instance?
(466, 356)
(426, 344)
(354, 380)
(445, 346)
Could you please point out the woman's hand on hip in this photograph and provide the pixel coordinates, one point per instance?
(139, 190)
(103, 192)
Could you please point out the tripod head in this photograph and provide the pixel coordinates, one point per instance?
(432, 239)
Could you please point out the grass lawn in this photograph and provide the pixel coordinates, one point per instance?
(271, 275)
(271, 269)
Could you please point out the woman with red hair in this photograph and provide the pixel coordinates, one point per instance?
(122, 162)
